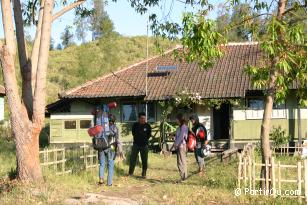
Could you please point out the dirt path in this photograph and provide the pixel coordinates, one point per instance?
(92, 198)
(120, 197)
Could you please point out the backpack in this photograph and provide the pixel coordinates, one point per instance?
(101, 143)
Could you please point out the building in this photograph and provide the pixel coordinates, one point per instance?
(231, 125)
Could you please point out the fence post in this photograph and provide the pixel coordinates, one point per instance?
(245, 175)
(305, 179)
(266, 175)
(279, 176)
(273, 176)
(239, 171)
(254, 175)
(55, 160)
(299, 177)
(250, 172)
(63, 161)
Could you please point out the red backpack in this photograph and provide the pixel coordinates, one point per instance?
(191, 141)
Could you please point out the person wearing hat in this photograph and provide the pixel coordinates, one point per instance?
(108, 155)
(200, 132)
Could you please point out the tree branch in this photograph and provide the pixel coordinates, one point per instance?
(22, 54)
(35, 49)
(39, 101)
(8, 27)
(67, 8)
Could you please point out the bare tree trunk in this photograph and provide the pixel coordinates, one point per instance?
(27, 115)
(28, 167)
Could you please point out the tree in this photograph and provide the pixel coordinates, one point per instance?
(81, 28)
(27, 110)
(101, 24)
(67, 37)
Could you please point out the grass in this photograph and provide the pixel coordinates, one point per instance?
(216, 187)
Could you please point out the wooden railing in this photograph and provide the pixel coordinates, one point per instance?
(54, 158)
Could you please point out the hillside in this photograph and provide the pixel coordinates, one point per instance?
(77, 64)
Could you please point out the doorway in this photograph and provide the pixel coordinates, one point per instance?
(221, 122)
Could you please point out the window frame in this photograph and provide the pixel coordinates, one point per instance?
(91, 124)
(138, 105)
(70, 121)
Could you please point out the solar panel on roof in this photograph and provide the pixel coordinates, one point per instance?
(166, 68)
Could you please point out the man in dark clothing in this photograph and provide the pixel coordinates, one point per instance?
(141, 132)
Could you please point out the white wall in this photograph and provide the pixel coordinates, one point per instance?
(1, 108)
(289, 113)
(205, 117)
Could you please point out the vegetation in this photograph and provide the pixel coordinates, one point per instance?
(216, 187)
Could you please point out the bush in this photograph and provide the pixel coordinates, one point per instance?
(279, 136)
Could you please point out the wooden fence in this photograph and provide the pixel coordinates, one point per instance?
(90, 156)
(286, 149)
(249, 176)
(54, 158)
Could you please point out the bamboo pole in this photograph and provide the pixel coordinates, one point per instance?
(250, 172)
(55, 159)
(266, 175)
(239, 171)
(63, 161)
(254, 175)
(245, 175)
(299, 177)
(279, 176)
(305, 179)
(273, 176)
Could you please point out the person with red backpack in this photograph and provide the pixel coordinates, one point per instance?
(200, 132)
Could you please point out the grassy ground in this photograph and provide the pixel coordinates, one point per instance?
(216, 187)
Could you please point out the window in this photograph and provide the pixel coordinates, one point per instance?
(255, 109)
(70, 124)
(255, 103)
(279, 106)
(151, 111)
(85, 124)
(129, 112)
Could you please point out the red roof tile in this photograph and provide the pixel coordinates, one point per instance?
(224, 80)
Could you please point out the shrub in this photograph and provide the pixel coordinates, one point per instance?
(279, 136)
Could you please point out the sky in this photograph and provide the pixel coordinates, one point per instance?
(126, 20)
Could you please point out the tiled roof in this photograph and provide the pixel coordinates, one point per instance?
(225, 79)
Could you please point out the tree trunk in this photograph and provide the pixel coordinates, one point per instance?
(27, 116)
(27, 152)
(266, 121)
(26, 136)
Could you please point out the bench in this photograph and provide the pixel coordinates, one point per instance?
(227, 154)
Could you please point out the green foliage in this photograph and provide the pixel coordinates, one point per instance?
(200, 40)
(284, 57)
(279, 136)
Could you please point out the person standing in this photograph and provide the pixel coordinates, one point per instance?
(180, 146)
(200, 132)
(107, 156)
(141, 132)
